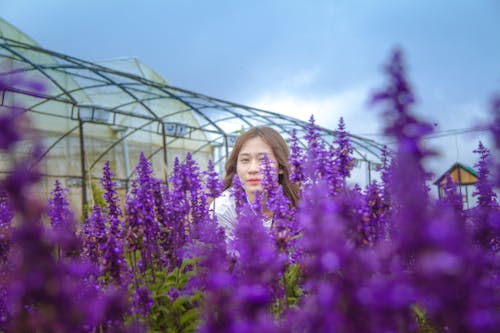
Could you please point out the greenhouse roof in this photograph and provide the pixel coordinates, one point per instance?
(128, 94)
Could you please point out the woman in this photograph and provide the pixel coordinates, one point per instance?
(245, 162)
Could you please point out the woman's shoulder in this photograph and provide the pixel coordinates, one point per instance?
(226, 199)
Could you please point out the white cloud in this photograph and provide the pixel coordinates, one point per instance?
(327, 110)
(366, 122)
(302, 79)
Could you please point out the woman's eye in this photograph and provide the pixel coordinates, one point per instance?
(244, 160)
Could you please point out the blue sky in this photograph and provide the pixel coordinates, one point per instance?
(297, 57)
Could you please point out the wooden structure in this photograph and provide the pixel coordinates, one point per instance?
(464, 177)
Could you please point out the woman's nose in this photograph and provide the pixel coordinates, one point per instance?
(254, 166)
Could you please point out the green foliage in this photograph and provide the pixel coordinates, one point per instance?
(293, 290)
(174, 314)
(98, 198)
(421, 317)
(291, 283)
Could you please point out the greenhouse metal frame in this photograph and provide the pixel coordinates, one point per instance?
(127, 103)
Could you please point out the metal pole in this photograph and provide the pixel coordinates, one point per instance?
(226, 146)
(369, 172)
(82, 164)
(460, 184)
(126, 157)
(165, 160)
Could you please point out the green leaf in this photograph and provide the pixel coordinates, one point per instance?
(179, 302)
(190, 316)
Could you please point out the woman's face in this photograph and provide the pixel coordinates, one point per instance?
(248, 166)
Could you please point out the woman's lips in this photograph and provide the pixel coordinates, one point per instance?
(254, 181)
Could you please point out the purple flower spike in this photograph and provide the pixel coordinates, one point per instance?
(317, 161)
(239, 194)
(495, 131)
(62, 220)
(94, 236)
(296, 159)
(219, 312)
(6, 209)
(6, 215)
(408, 172)
(213, 183)
(142, 302)
(276, 202)
(452, 196)
(495, 126)
(198, 200)
(141, 226)
(432, 241)
(58, 208)
(340, 161)
(258, 270)
(373, 227)
(114, 266)
(485, 215)
(11, 123)
(110, 195)
(486, 197)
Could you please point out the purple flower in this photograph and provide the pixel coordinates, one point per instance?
(94, 236)
(408, 172)
(50, 295)
(20, 178)
(296, 159)
(219, 313)
(62, 220)
(198, 200)
(495, 126)
(343, 282)
(317, 218)
(6, 215)
(110, 195)
(487, 230)
(60, 214)
(495, 131)
(40, 293)
(114, 266)
(177, 216)
(486, 197)
(284, 228)
(373, 228)
(11, 123)
(340, 161)
(4, 314)
(275, 199)
(142, 301)
(436, 249)
(453, 197)
(317, 163)
(213, 183)
(6, 209)
(160, 197)
(141, 226)
(240, 196)
(217, 281)
(387, 164)
(257, 271)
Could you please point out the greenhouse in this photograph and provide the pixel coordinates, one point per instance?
(113, 217)
(87, 113)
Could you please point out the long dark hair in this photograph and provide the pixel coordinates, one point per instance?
(281, 152)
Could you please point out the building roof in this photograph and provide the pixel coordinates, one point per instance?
(469, 171)
(128, 94)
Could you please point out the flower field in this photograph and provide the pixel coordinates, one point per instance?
(384, 258)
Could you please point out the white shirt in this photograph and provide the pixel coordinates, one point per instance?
(224, 209)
